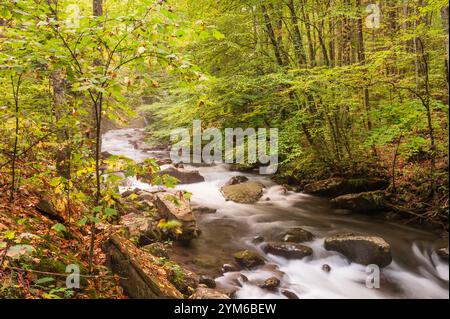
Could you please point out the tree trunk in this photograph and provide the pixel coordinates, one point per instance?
(299, 50)
(272, 36)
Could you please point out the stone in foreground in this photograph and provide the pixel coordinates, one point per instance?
(248, 259)
(270, 283)
(207, 293)
(287, 250)
(360, 249)
(244, 193)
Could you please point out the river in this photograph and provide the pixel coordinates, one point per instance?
(415, 272)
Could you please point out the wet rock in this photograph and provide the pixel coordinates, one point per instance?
(361, 202)
(257, 239)
(334, 187)
(157, 249)
(270, 283)
(208, 293)
(326, 268)
(364, 250)
(443, 253)
(239, 279)
(287, 250)
(208, 281)
(142, 276)
(289, 294)
(183, 175)
(237, 180)
(297, 235)
(244, 193)
(248, 259)
(229, 268)
(177, 207)
(204, 210)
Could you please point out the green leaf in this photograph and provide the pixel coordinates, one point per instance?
(59, 227)
(44, 280)
(110, 212)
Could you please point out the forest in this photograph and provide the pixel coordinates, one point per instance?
(91, 91)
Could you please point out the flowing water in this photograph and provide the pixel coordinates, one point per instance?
(416, 270)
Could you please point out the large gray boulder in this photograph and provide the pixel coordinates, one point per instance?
(243, 193)
(287, 250)
(334, 187)
(361, 249)
(361, 202)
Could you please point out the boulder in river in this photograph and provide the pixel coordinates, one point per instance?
(334, 187)
(364, 250)
(270, 283)
(326, 267)
(297, 235)
(287, 250)
(142, 276)
(248, 259)
(289, 294)
(237, 180)
(183, 175)
(244, 193)
(207, 293)
(229, 268)
(361, 202)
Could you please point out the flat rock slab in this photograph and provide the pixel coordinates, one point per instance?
(361, 249)
(243, 193)
(287, 250)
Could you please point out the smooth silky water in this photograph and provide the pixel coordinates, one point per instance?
(416, 270)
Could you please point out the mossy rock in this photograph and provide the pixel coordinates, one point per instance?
(248, 259)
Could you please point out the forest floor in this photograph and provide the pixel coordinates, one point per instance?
(44, 254)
